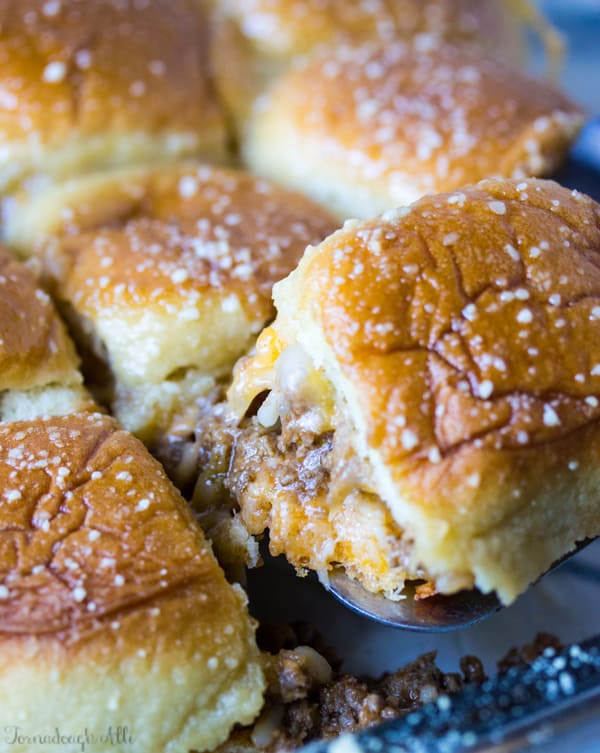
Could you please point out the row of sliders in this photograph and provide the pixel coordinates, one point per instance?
(418, 401)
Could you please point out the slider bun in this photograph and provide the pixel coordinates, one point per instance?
(365, 129)
(166, 275)
(289, 28)
(113, 611)
(255, 40)
(39, 372)
(92, 84)
(460, 338)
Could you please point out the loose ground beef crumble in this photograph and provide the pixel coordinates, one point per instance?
(303, 704)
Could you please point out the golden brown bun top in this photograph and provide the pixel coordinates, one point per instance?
(91, 529)
(102, 65)
(291, 27)
(35, 349)
(470, 319)
(152, 237)
(407, 113)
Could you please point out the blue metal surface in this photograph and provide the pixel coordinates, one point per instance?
(579, 23)
(582, 170)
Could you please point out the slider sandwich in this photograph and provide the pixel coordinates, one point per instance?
(165, 277)
(114, 614)
(39, 368)
(362, 129)
(90, 85)
(425, 405)
(254, 41)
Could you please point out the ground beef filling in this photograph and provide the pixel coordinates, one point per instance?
(306, 487)
(306, 703)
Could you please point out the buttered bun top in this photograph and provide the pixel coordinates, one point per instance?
(166, 274)
(39, 369)
(293, 27)
(455, 344)
(363, 129)
(113, 610)
(255, 40)
(91, 84)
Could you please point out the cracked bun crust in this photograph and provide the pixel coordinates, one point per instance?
(39, 372)
(457, 346)
(113, 611)
(365, 129)
(96, 84)
(166, 274)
